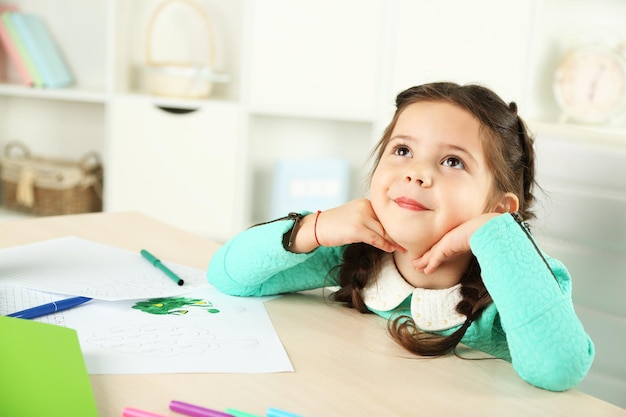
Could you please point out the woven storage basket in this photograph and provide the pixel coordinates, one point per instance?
(181, 79)
(46, 186)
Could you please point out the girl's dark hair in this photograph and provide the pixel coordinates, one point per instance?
(509, 152)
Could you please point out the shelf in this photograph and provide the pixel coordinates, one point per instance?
(64, 94)
(176, 103)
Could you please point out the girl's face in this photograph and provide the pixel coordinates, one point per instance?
(432, 176)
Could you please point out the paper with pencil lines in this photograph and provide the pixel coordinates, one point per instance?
(77, 266)
(13, 299)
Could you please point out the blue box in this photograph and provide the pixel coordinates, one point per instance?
(309, 184)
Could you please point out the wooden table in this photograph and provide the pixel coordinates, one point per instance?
(345, 363)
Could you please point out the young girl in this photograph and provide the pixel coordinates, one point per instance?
(439, 248)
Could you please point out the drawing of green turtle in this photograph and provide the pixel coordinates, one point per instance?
(173, 305)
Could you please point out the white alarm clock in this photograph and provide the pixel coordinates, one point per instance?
(590, 84)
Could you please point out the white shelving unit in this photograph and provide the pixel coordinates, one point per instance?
(186, 169)
(308, 79)
(304, 83)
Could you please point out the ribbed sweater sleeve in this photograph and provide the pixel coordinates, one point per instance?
(255, 263)
(548, 345)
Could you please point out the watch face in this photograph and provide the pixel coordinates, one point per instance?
(590, 84)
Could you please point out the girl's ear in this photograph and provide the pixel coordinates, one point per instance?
(509, 203)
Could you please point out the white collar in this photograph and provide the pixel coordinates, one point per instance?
(431, 310)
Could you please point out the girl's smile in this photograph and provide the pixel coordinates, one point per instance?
(409, 204)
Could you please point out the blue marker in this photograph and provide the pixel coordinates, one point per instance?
(50, 308)
(275, 412)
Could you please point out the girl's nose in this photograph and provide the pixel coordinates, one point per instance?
(419, 174)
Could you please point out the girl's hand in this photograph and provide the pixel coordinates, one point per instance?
(352, 222)
(453, 243)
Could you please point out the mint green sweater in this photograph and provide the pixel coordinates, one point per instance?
(531, 322)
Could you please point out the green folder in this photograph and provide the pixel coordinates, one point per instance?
(42, 371)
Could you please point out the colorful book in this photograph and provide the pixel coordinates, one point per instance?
(42, 49)
(12, 54)
(16, 41)
(12, 68)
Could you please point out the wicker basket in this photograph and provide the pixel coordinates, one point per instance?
(181, 79)
(48, 187)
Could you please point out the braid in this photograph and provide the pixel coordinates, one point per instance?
(528, 166)
(524, 164)
(474, 293)
(361, 262)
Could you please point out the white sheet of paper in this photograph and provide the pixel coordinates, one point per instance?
(214, 333)
(77, 266)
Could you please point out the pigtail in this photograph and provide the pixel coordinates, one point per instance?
(404, 331)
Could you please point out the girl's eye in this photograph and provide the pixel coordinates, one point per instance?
(402, 150)
(453, 162)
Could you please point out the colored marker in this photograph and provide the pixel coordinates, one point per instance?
(195, 411)
(50, 308)
(275, 412)
(135, 412)
(156, 262)
(239, 413)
